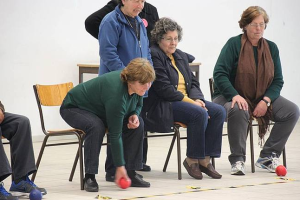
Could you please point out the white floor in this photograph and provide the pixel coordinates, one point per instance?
(57, 162)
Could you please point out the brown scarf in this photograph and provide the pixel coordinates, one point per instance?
(252, 81)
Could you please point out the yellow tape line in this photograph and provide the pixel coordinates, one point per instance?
(198, 189)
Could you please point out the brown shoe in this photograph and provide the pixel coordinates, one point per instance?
(193, 170)
(210, 171)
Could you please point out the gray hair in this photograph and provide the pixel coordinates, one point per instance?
(162, 26)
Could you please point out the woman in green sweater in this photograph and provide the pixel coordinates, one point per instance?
(248, 81)
(112, 101)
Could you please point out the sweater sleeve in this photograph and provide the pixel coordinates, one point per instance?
(222, 74)
(115, 115)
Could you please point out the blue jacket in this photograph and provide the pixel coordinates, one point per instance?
(118, 42)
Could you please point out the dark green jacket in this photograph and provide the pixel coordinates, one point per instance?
(107, 97)
(226, 67)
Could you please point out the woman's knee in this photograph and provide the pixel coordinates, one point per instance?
(238, 113)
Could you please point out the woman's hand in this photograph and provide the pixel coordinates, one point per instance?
(201, 104)
(260, 109)
(241, 102)
(133, 122)
(121, 173)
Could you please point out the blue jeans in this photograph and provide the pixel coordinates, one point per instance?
(94, 128)
(204, 134)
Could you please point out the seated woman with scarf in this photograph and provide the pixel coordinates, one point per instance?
(248, 80)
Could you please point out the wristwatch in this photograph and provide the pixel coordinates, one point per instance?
(268, 103)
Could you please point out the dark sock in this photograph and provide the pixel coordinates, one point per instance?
(91, 176)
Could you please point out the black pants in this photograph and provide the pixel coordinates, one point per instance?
(94, 128)
(16, 128)
(109, 165)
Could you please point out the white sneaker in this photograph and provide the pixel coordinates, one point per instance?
(238, 168)
(269, 163)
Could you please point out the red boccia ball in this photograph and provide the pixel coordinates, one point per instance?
(281, 170)
(123, 183)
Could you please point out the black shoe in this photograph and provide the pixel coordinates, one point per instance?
(136, 180)
(146, 168)
(90, 185)
(111, 178)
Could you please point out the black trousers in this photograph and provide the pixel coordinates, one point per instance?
(16, 128)
(109, 165)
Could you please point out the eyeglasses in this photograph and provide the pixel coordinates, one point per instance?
(169, 40)
(261, 25)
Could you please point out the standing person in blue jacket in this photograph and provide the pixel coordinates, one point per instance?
(122, 37)
(149, 16)
(92, 22)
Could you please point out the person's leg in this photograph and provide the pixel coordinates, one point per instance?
(16, 128)
(5, 169)
(110, 168)
(237, 124)
(94, 128)
(214, 129)
(285, 115)
(133, 153)
(196, 119)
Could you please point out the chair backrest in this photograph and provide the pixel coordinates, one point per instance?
(211, 87)
(50, 95)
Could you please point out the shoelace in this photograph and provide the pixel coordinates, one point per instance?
(2, 190)
(30, 182)
(275, 162)
(239, 164)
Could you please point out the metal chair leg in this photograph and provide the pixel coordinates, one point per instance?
(251, 148)
(39, 158)
(284, 157)
(169, 153)
(177, 132)
(74, 166)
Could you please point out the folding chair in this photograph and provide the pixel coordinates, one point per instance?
(53, 95)
(177, 137)
(249, 132)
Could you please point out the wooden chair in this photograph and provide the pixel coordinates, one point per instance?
(177, 137)
(249, 132)
(49, 96)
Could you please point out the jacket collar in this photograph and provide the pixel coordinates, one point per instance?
(176, 55)
(121, 17)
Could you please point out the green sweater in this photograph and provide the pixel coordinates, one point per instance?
(107, 97)
(226, 67)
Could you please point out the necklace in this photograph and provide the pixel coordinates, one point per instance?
(136, 29)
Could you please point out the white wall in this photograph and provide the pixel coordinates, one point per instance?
(42, 41)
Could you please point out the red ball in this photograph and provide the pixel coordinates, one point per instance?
(123, 183)
(281, 170)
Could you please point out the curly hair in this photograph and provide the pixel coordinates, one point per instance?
(162, 26)
(250, 14)
(139, 69)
